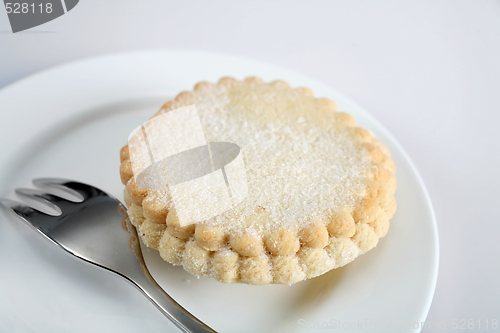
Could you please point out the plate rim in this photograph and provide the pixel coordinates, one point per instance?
(17, 87)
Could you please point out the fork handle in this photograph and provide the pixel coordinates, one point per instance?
(181, 318)
(143, 280)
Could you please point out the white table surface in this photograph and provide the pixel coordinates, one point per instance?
(429, 71)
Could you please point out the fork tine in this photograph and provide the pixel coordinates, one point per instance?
(84, 190)
(21, 210)
(61, 186)
(32, 216)
(40, 197)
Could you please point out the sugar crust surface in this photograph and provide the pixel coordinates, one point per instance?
(321, 190)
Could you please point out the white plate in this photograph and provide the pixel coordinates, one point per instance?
(72, 120)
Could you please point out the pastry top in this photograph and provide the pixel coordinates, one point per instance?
(312, 173)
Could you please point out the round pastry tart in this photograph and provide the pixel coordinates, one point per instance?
(320, 189)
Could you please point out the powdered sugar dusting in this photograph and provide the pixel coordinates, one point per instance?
(300, 162)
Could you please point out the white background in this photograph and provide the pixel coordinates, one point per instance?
(429, 71)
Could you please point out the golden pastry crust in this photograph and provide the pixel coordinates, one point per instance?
(271, 238)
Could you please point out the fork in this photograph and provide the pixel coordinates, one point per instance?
(91, 230)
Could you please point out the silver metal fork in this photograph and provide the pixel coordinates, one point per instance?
(91, 230)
